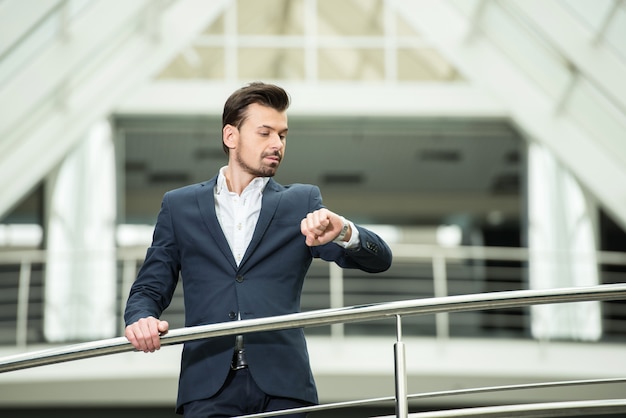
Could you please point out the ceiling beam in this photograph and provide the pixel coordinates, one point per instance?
(49, 75)
(529, 106)
(18, 18)
(341, 99)
(43, 131)
(577, 43)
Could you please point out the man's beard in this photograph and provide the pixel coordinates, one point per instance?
(261, 171)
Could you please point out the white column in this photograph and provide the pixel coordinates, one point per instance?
(80, 285)
(562, 245)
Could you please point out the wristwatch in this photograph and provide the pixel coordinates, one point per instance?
(344, 230)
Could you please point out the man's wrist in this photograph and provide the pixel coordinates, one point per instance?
(344, 231)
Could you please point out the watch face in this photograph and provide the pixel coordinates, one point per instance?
(343, 230)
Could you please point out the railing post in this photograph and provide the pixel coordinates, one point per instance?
(336, 296)
(440, 278)
(402, 404)
(21, 333)
(129, 272)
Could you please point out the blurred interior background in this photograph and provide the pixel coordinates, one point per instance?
(484, 139)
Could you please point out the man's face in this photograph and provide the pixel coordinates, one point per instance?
(261, 140)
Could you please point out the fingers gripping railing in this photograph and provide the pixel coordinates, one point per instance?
(483, 301)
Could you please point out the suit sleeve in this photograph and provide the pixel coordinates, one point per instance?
(156, 281)
(372, 255)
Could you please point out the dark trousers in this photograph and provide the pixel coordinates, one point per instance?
(240, 396)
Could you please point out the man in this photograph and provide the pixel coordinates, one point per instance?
(242, 244)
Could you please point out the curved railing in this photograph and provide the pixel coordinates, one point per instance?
(397, 309)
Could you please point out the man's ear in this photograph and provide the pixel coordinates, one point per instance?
(230, 134)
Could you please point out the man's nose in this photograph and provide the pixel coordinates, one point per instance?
(277, 142)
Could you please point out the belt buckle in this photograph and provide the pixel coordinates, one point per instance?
(239, 361)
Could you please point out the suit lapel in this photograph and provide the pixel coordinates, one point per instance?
(271, 198)
(206, 204)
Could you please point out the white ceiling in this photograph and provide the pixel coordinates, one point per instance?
(553, 69)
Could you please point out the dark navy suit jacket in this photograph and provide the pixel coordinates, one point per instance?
(188, 240)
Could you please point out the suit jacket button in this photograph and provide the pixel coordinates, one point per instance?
(372, 246)
(239, 278)
(232, 315)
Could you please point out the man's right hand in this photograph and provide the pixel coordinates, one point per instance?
(145, 334)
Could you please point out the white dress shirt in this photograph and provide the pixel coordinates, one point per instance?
(238, 214)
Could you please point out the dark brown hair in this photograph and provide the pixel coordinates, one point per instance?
(237, 104)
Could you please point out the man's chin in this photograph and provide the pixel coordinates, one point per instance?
(272, 168)
(268, 171)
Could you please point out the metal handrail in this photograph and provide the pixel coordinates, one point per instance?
(508, 299)
(437, 394)
(539, 410)
(545, 409)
